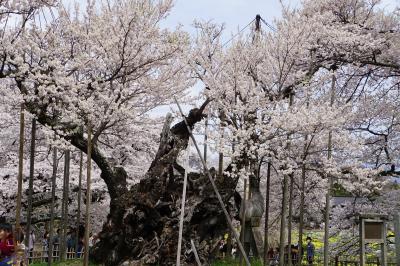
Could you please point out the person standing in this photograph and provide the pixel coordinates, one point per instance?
(6, 244)
(45, 246)
(31, 245)
(310, 251)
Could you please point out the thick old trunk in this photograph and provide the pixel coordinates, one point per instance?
(143, 221)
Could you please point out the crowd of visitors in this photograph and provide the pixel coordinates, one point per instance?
(11, 246)
(296, 254)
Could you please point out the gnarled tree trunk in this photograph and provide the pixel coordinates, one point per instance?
(143, 221)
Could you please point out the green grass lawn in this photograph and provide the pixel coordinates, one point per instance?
(232, 262)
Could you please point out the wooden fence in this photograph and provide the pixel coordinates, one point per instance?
(42, 255)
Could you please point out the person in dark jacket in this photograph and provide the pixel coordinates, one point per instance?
(310, 248)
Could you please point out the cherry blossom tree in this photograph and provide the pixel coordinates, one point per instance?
(269, 93)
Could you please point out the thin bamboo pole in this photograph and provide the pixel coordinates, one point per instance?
(53, 197)
(88, 195)
(328, 193)
(30, 191)
(78, 214)
(178, 254)
(228, 219)
(20, 173)
(242, 234)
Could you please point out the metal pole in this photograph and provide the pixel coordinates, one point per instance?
(78, 215)
(178, 254)
(20, 173)
(53, 197)
(328, 193)
(30, 191)
(397, 236)
(88, 194)
(228, 219)
(196, 256)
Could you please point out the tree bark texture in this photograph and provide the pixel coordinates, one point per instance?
(143, 221)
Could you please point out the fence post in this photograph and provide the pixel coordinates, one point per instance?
(52, 214)
(397, 236)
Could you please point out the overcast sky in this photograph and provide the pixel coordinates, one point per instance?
(235, 14)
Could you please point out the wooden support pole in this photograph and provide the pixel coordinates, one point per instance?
(196, 256)
(397, 236)
(302, 200)
(88, 195)
(53, 198)
(242, 231)
(78, 214)
(362, 242)
(30, 191)
(282, 237)
(186, 163)
(384, 245)
(329, 190)
(290, 219)
(64, 211)
(266, 220)
(20, 173)
(206, 138)
(221, 202)
(221, 154)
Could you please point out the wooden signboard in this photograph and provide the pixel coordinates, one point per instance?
(373, 231)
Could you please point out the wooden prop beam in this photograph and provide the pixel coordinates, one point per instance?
(178, 254)
(207, 172)
(88, 195)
